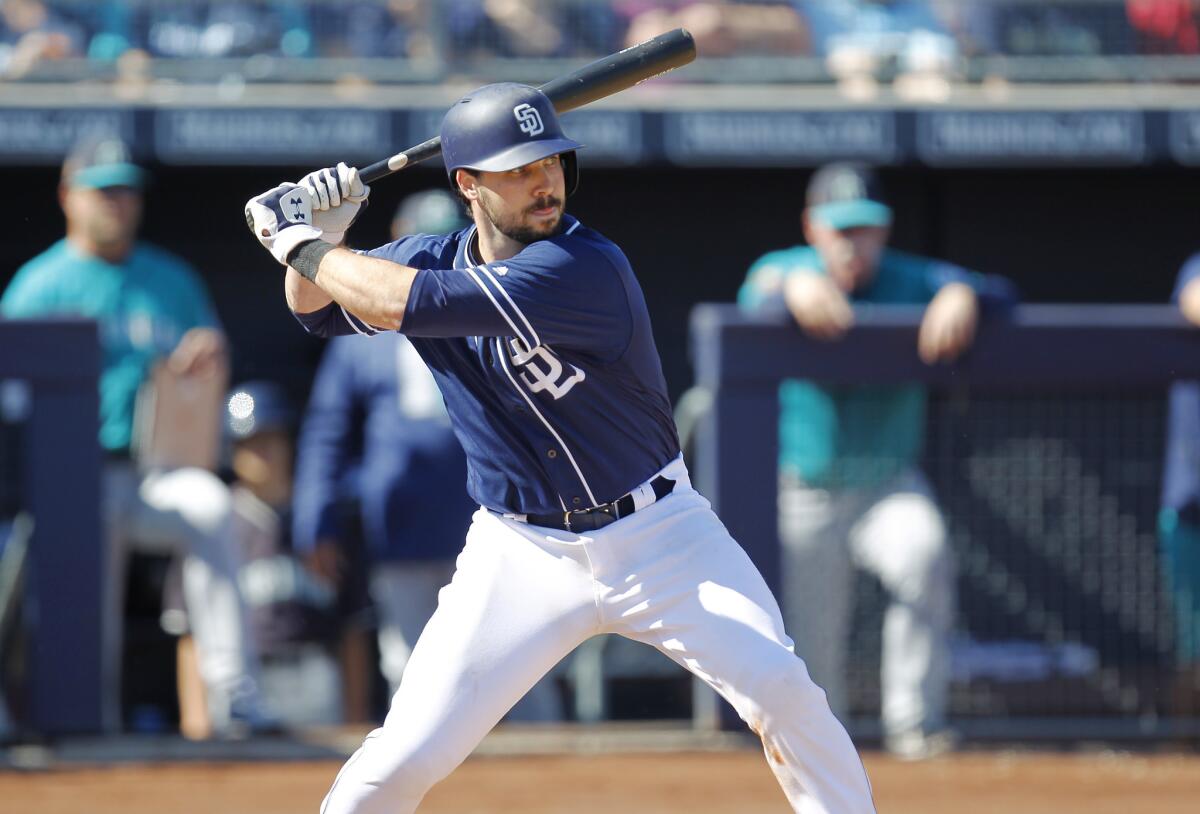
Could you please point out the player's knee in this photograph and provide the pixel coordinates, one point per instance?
(200, 497)
(925, 548)
(781, 687)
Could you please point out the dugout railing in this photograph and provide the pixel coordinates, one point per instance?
(50, 517)
(1045, 448)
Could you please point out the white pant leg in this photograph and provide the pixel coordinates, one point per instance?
(520, 600)
(189, 511)
(673, 577)
(817, 586)
(902, 540)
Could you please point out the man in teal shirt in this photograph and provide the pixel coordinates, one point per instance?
(150, 306)
(850, 490)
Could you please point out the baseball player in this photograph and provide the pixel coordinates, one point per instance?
(536, 331)
(850, 491)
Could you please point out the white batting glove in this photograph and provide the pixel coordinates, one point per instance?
(338, 195)
(281, 219)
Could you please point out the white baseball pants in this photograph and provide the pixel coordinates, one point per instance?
(405, 596)
(895, 532)
(185, 511)
(523, 597)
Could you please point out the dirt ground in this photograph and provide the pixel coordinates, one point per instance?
(696, 783)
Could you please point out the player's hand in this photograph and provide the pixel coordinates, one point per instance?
(338, 196)
(281, 219)
(948, 327)
(326, 562)
(818, 305)
(200, 353)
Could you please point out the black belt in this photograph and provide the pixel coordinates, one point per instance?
(598, 517)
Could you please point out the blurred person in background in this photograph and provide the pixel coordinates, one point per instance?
(1166, 27)
(156, 322)
(1179, 517)
(860, 39)
(376, 427)
(1083, 28)
(198, 29)
(32, 33)
(721, 27)
(528, 28)
(297, 618)
(850, 491)
(370, 29)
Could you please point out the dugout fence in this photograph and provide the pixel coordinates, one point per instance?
(1045, 449)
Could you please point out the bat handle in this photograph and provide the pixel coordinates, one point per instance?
(422, 152)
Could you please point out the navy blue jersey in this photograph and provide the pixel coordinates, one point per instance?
(546, 362)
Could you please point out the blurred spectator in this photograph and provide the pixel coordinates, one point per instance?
(721, 28)
(157, 325)
(1081, 28)
(1179, 518)
(200, 29)
(850, 492)
(528, 28)
(1165, 26)
(297, 621)
(366, 29)
(31, 33)
(862, 38)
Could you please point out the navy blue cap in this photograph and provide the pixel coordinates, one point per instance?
(257, 406)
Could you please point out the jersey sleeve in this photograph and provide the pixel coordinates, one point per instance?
(334, 320)
(562, 294)
(195, 299)
(27, 296)
(995, 293)
(762, 291)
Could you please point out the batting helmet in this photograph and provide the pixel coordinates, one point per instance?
(504, 126)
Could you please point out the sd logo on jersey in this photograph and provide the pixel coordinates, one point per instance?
(542, 371)
(529, 119)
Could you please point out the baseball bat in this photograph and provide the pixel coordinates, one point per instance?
(593, 81)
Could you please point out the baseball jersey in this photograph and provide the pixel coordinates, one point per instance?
(144, 305)
(854, 436)
(1181, 473)
(546, 363)
(376, 431)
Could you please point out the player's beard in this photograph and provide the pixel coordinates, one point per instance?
(514, 226)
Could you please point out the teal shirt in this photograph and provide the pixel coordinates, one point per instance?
(850, 436)
(144, 306)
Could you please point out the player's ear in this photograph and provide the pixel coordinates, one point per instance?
(806, 226)
(467, 184)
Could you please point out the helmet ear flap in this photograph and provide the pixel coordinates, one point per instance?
(570, 172)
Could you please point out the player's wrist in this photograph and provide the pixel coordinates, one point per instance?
(306, 257)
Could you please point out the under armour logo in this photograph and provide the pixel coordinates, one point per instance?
(297, 205)
(500, 270)
(529, 119)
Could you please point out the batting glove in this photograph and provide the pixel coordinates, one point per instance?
(338, 196)
(281, 219)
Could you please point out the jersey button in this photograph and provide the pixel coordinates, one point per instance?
(576, 500)
(552, 453)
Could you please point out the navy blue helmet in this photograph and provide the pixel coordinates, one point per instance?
(504, 126)
(257, 406)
